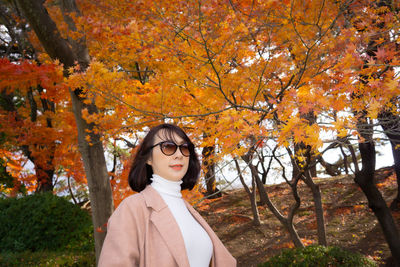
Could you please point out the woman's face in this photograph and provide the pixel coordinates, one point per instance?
(172, 167)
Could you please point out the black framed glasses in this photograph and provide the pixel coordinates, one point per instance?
(169, 148)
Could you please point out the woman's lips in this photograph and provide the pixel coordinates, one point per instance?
(177, 167)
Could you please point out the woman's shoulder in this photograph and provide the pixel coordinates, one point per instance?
(142, 202)
(129, 218)
(134, 201)
(132, 208)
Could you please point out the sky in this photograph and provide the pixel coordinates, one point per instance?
(228, 173)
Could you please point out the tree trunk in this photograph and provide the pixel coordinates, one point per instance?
(209, 172)
(253, 197)
(306, 175)
(69, 52)
(251, 193)
(293, 210)
(294, 236)
(287, 222)
(44, 179)
(396, 156)
(331, 169)
(261, 190)
(365, 179)
(345, 163)
(96, 173)
(44, 174)
(254, 172)
(319, 211)
(391, 126)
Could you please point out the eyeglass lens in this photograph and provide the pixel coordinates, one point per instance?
(169, 148)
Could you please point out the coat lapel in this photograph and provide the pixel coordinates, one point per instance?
(165, 223)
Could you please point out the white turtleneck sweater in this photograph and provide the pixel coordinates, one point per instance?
(199, 247)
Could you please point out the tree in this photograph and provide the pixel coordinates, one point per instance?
(390, 123)
(27, 109)
(375, 46)
(68, 52)
(208, 155)
(251, 193)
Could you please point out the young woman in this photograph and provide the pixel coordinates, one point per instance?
(157, 227)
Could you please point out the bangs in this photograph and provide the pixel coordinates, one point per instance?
(169, 134)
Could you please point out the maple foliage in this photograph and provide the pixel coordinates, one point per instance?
(236, 69)
(233, 69)
(37, 121)
(229, 67)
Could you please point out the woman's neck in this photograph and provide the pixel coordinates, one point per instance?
(164, 186)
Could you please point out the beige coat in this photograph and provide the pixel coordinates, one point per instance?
(143, 232)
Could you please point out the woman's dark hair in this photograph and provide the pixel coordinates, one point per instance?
(140, 172)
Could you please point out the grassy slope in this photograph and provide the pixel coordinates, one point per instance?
(350, 223)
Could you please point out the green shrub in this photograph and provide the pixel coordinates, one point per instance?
(318, 256)
(44, 222)
(48, 258)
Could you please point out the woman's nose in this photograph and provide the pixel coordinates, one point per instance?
(178, 153)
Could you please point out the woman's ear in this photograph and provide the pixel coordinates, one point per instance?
(149, 161)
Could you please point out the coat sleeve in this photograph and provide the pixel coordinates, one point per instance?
(125, 231)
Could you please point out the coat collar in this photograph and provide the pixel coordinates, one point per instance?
(165, 223)
(153, 199)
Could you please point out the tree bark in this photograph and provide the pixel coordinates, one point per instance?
(209, 172)
(307, 171)
(259, 182)
(251, 193)
(391, 126)
(69, 52)
(345, 163)
(261, 189)
(96, 172)
(319, 211)
(44, 178)
(305, 174)
(365, 179)
(331, 169)
(396, 156)
(287, 222)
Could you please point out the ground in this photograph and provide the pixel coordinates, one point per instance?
(350, 223)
